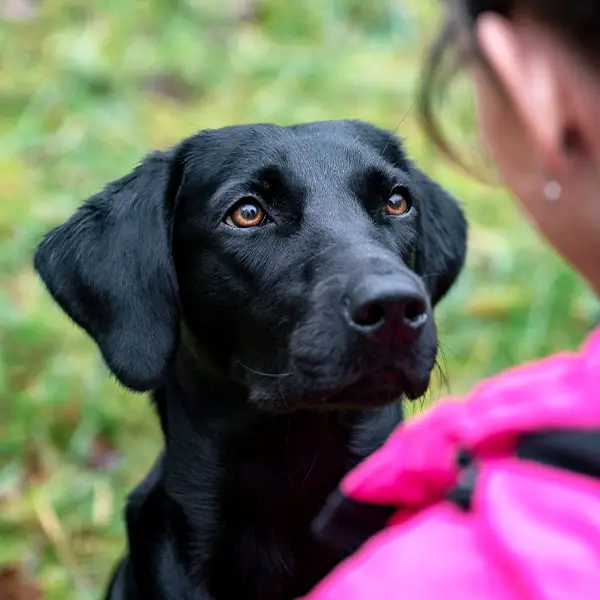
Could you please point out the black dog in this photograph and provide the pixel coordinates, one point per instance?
(273, 287)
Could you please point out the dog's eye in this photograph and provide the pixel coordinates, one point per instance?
(399, 202)
(246, 213)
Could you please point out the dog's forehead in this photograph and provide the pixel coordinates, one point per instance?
(311, 150)
(315, 160)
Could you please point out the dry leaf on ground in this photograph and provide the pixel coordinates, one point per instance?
(15, 586)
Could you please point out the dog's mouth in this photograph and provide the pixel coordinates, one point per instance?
(369, 381)
(374, 389)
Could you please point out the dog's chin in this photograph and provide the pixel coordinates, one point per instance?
(365, 391)
(377, 389)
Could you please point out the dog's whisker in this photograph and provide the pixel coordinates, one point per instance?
(430, 275)
(282, 397)
(442, 369)
(262, 373)
(310, 470)
(393, 135)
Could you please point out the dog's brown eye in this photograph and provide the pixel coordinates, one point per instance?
(398, 203)
(246, 214)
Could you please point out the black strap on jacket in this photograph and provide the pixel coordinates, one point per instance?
(576, 450)
(345, 524)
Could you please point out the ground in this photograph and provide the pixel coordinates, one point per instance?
(87, 88)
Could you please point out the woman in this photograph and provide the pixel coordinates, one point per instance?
(498, 496)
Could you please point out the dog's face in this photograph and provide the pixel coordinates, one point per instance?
(301, 263)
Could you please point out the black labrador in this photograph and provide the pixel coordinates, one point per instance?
(274, 288)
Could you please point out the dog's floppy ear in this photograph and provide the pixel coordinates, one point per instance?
(109, 267)
(443, 244)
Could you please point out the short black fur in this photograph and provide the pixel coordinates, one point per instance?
(269, 383)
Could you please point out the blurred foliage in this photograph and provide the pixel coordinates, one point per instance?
(86, 88)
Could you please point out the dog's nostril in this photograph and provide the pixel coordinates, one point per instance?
(370, 315)
(415, 313)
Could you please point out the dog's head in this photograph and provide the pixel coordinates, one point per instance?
(300, 262)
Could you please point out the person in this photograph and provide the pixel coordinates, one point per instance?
(497, 495)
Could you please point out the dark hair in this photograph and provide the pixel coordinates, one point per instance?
(576, 21)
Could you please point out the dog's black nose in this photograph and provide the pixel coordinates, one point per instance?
(387, 308)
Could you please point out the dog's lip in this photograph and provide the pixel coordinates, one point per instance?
(375, 384)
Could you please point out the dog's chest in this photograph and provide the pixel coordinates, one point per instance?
(271, 555)
(266, 550)
(264, 566)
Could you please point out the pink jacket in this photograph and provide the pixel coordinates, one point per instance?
(495, 497)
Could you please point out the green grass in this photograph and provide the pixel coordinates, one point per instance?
(86, 89)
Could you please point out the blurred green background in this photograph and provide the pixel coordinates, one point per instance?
(87, 87)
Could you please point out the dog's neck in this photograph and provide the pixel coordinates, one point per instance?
(242, 486)
(236, 477)
(201, 412)
(212, 419)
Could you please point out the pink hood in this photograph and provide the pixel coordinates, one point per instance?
(496, 496)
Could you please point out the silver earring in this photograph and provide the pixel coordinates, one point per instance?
(552, 190)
